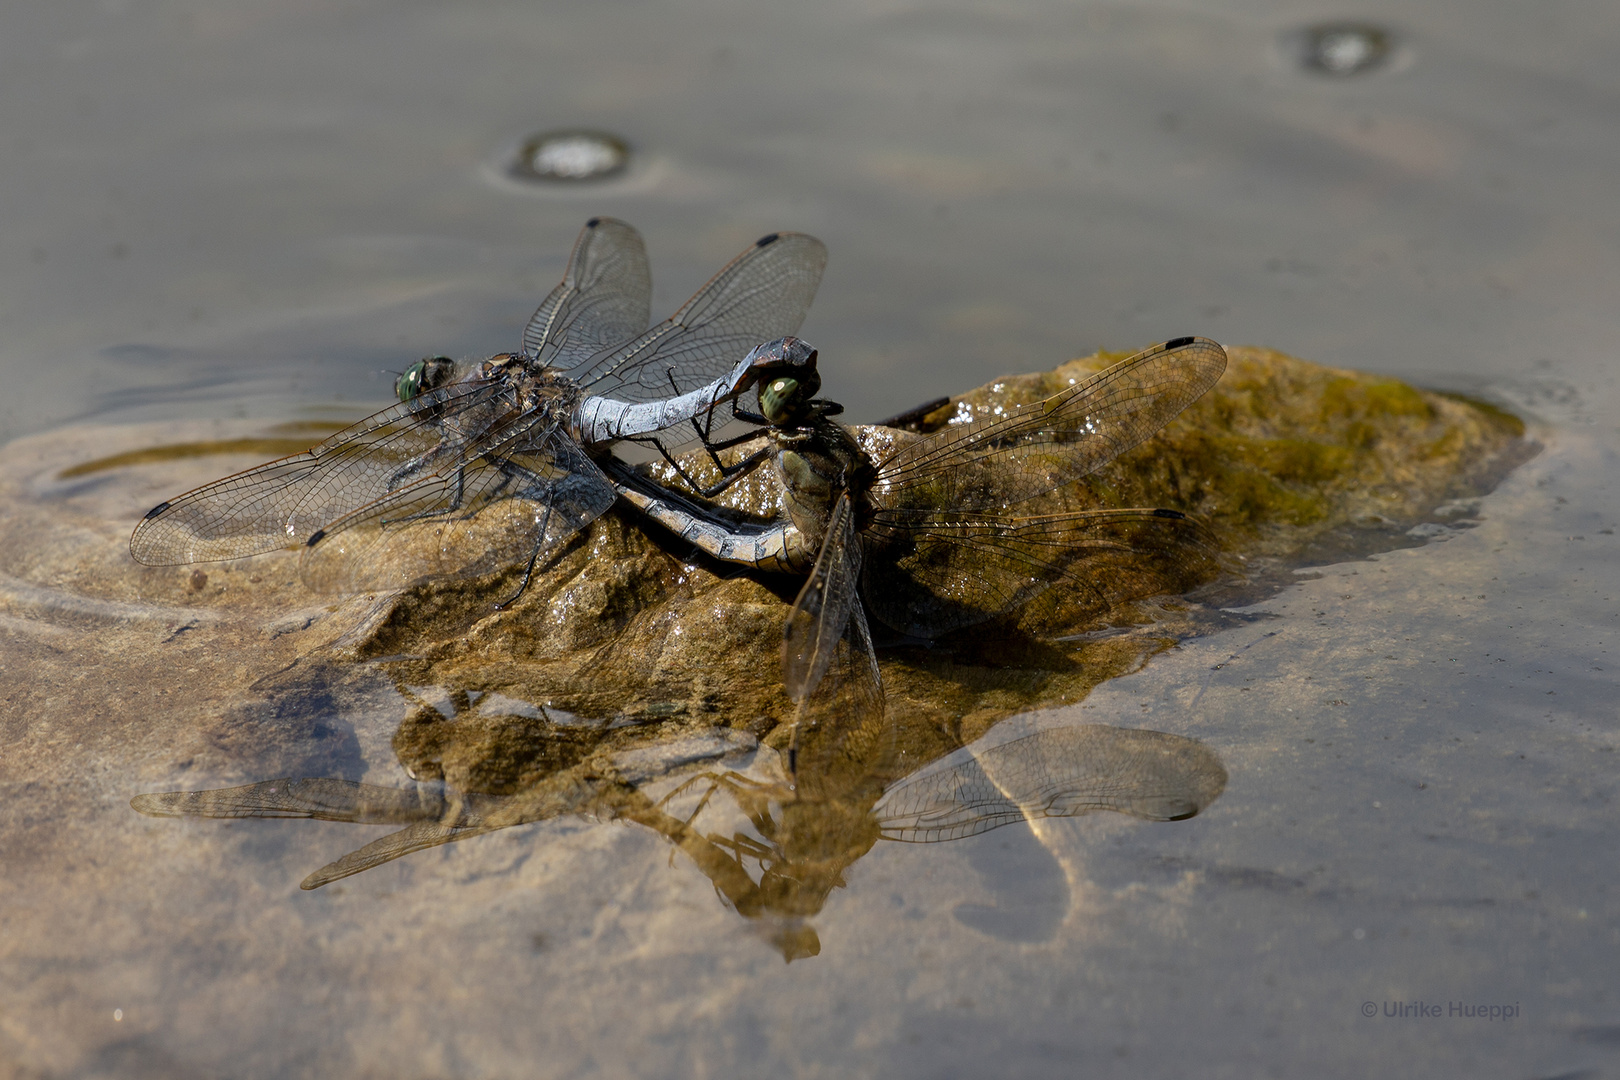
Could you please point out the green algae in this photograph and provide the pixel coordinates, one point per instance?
(1283, 452)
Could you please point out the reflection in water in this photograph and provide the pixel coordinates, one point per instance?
(1342, 49)
(571, 156)
(798, 840)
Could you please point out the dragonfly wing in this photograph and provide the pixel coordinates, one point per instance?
(317, 797)
(514, 504)
(947, 802)
(1059, 772)
(843, 733)
(1083, 768)
(761, 295)
(282, 503)
(605, 297)
(958, 569)
(423, 834)
(821, 613)
(830, 666)
(853, 684)
(998, 462)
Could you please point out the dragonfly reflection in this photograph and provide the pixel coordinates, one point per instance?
(385, 502)
(796, 849)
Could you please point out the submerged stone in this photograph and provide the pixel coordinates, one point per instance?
(1287, 462)
(630, 658)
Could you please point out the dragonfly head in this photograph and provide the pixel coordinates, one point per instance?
(783, 373)
(786, 400)
(422, 376)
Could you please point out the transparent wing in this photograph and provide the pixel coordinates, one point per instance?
(1060, 772)
(605, 297)
(283, 503)
(949, 570)
(945, 803)
(423, 834)
(515, 505)
(821, 612)
(761, 295)
(829, 665)
(319, 798)
(995, 464)
(843, 733)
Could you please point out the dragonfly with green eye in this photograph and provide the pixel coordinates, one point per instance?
(392, 499)
(952, 529)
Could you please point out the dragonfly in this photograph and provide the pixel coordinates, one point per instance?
(949, 530)
(514, 442)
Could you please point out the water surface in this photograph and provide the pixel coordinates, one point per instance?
(227, 212)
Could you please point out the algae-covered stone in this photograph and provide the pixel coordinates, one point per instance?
(630, 658)
(1287, 459)
(1283, 459)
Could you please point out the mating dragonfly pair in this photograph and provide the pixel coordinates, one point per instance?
(946, 531)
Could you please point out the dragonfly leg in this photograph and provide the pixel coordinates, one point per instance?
(455, 500)
(743, 847)
(670, 459)
(411, 468)
(739, 784)
(729, 474)
(534, 555)
(753, 798)
(714, 780)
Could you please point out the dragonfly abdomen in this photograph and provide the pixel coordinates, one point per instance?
(780, 549)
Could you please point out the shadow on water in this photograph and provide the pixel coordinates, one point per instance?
(775, 847)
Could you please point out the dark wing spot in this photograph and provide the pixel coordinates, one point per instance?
(593, 223)
(1176, 343)
(315, 537)
(156, 510)
(1176, 514)
(767, 240)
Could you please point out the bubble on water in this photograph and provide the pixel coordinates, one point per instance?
(1342, 49)
(571, 156)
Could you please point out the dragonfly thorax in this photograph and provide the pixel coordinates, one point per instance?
(816, 463)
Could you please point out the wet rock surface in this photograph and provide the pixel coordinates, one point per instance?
(1286, 462)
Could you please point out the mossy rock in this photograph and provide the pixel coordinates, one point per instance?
(1288, 460)
(1285, 460)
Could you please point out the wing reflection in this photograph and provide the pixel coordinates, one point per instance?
(774, 850)
(1059, 772)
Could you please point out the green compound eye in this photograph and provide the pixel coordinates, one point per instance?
(422, 376)
(785, 401)
(779, 400)
(409, 384)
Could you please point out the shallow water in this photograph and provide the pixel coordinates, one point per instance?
(260, 212)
